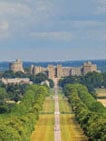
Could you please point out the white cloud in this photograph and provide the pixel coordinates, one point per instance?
(25, 15)
(40, 16)
(13, 10)
(59, 36)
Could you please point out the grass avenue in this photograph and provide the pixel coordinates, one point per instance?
(70, 129)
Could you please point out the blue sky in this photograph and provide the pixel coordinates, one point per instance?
(50, 30)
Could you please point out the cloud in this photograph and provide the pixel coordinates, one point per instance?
(4, 29)
(101, 6)
(25, 15)
(58, 36)
(46, 19)
(4, 25)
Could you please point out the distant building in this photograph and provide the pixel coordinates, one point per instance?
(16, 66)
(76, 71)
(88, 67)
(66, 71)
(37, 69)
(51, 71)
(16, 81)
(59, 71)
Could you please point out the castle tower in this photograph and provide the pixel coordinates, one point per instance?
(59, 71)
(16, 66)
(51, 71)
(89, 67)
(37, 69)
(31, 69)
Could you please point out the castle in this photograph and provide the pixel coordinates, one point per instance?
(59, 71)
(56, 71)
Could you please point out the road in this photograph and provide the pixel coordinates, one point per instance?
(57, 131)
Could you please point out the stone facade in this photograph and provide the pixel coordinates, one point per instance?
(16, 66)
(51, 71)
(16, 81)
(59, 71)
(88, 67)
(37, 69)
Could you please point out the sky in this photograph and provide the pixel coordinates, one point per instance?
(52, 30)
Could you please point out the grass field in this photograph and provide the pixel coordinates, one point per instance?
(70, 129)
(44, 129)
(48, 106)
(101, 92)
(103, 101)
(64, 105)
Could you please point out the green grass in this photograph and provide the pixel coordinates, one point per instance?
(70, 129)
(48, 106)
(64, 105)
(44, 129)
(101, 95)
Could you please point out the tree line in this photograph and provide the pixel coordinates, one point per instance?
(92, 80)
(19, 123)
(90, 114)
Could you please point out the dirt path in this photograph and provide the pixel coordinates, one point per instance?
(57, 131)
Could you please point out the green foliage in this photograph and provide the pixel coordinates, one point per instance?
(89, 113)
(51, 83)
(39, 78)
(68, 80)
(104, 79)
(92, 80)
(15, 92)
(8, 74)
(3, 95)
(4, 108)
(18, 125)
(11, 74)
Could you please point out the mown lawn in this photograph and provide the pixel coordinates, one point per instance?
(101, 92)
(44, 129)
(70, 129)
(64, 106)
(48, 106)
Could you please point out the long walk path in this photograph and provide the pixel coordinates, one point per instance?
(57, 131)
(53, 126)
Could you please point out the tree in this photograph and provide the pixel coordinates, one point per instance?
(39, 78)
(8, 74)
(51, 83)
(3, 95)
